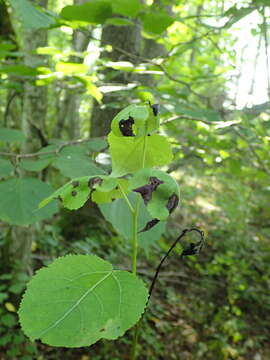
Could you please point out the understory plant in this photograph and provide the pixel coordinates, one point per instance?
(80, 299)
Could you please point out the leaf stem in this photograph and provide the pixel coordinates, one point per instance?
(126, 198)
(135, 235)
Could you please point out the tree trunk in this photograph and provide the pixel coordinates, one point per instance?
(127, 38)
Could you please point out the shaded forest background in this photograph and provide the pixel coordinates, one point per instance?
(67, 67)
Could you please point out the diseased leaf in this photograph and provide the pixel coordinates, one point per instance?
(20, 199)
(73, 195)
(78, 300)
(127, 153)
(132, 119)
(159, 191)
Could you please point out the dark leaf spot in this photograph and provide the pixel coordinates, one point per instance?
(93, 181)
(75, 183)
(155, 108)
(59, 198)
(74, 193)
(101, 330)
(147, 190)
(172, 203)
(149, 225)
(125, 126)
(113, 199)
(117, 187)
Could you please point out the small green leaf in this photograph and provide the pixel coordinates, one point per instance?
(158, 189)
(127, 152)
(94, 12)
(156, 23)
(78, 300)
(75, 193)
(20, 199)
(11, 135)
(6, 168)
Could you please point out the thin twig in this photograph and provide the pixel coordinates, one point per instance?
(56, 151)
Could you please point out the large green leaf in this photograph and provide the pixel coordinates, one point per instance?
(80, 299)
(30, 17)
(20, 199)
(6, 168)
(156, 23)
(127, 152)
(95, 12)
(119, 215)
(11, 135)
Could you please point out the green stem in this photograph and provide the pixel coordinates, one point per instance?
(126, 198)
(135, 234)
(133, 355)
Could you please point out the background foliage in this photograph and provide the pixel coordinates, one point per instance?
(66, 68)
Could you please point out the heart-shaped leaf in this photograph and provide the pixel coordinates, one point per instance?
(80, 299)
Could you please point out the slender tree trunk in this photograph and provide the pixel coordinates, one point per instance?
(33, 118)
(127, 38)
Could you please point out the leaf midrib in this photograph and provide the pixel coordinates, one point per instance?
(57, 322)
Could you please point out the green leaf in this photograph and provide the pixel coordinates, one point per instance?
(119, 215)
(69, 68)
(138, 113)
(19, 69)
(118, 21)
(40, 162)
(78, 300)
(160, 198)
(127, 152)
(75, 193)
(128, 8)
(94, 12)
(96, 145)
(6, 168)
(156, 23)
(31, 18)
(73, 162)
(11, 135)
(20, 199)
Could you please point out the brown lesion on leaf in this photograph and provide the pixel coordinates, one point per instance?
(59, 198)
(147, 190)
(75, 184)
(94, 181)
(149, 225)
(74, 193)
(125, 126)
(172, 202)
